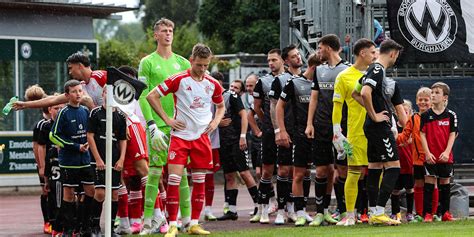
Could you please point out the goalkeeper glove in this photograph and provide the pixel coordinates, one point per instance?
(159, 140)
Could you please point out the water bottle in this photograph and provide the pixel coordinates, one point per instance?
(8, 107)
(347, 148)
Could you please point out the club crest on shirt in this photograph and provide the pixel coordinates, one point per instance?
(197, 103)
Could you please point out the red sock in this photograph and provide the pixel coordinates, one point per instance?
(122, 202)
(172, 203)
(157, 201)
(143, 186)
(209, 189)
(197, 195)
(435, 201)
(419, 200)
(135, 205)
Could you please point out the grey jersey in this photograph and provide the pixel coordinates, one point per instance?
(261, 92)
(325, 76)
(277, 88)
(297, 92)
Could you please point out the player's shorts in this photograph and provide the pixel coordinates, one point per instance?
(303, 155)
(99, 179)
(269, 148)
(285, 155)
(324, 153)
(405, 181)
(136, 149)
(198, 150)
(419, 171)
(381, 146)
(442, 170)
(73, 177)
(232, 158)
(216, 160)
(158, 158)
(359, 151)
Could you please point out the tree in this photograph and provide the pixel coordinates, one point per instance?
(242, 26)
(179, 11)
(112, 53)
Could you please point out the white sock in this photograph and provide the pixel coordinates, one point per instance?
(147, 221)
(372, 210)
(207, 209)
(233, 208)
(185, 220)
(379, 210)
(158, 214)
(193, 222)
(124, 222)
(301, 213)
(135, 220)
(290, 207)
(173, 223)
(326, 211)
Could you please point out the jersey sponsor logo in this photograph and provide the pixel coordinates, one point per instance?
(326, 85)
(304, 98)
(429, 27)
(80, 126)
(197, 103)
(124, 92)
(207, 89)
(443, 123)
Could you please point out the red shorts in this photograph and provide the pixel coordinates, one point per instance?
(216, 160)
(198, 150)
(136, 148)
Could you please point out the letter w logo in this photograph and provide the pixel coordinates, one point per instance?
(427, 21)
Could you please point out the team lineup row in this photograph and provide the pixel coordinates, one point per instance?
(344, 114)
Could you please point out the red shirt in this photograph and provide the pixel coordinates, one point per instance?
(437, 128)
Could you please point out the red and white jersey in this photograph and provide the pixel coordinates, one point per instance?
(192, 101)
(94, 87)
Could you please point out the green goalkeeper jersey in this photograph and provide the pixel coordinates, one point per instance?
(153, 70)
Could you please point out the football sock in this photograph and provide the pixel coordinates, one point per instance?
(320, 186)
(209, 188)
(198, 194)
(373, 178)
(172, 202)
(428, 198)
(264, 189)
(339, 190)
(418, 195)
(435, 201)
(389, 180)
(282, 191)
(444, 197)
(151, 190)
(351, 189)
(185, 196)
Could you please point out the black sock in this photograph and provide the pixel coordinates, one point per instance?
(87, 213)
(232, 196)
(339, 191)
(272, 190)
(327, 201)
(444, 198)
(428, 198)
(373, 178)
(67, 212)
(253, 191)
(96, 212)
(226, 195)
(410, 199)
(395, 203)
(282, 191)
(389, 180)
(44, 207)
(306, 187)
(114, 213)
(362, 202)
(264, 190)
(79, 214)
(289, 183)
(320, 186)
(299, 203)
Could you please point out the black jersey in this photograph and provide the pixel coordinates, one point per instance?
(385, 96)
(43, 140)
(261, 92)
(233, 105)
(297, 91)
(277, 87)
(37, 128)
(97, 125)
(324, 79)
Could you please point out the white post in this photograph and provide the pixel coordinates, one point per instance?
(108, 163)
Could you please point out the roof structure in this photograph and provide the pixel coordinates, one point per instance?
(66, 7)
